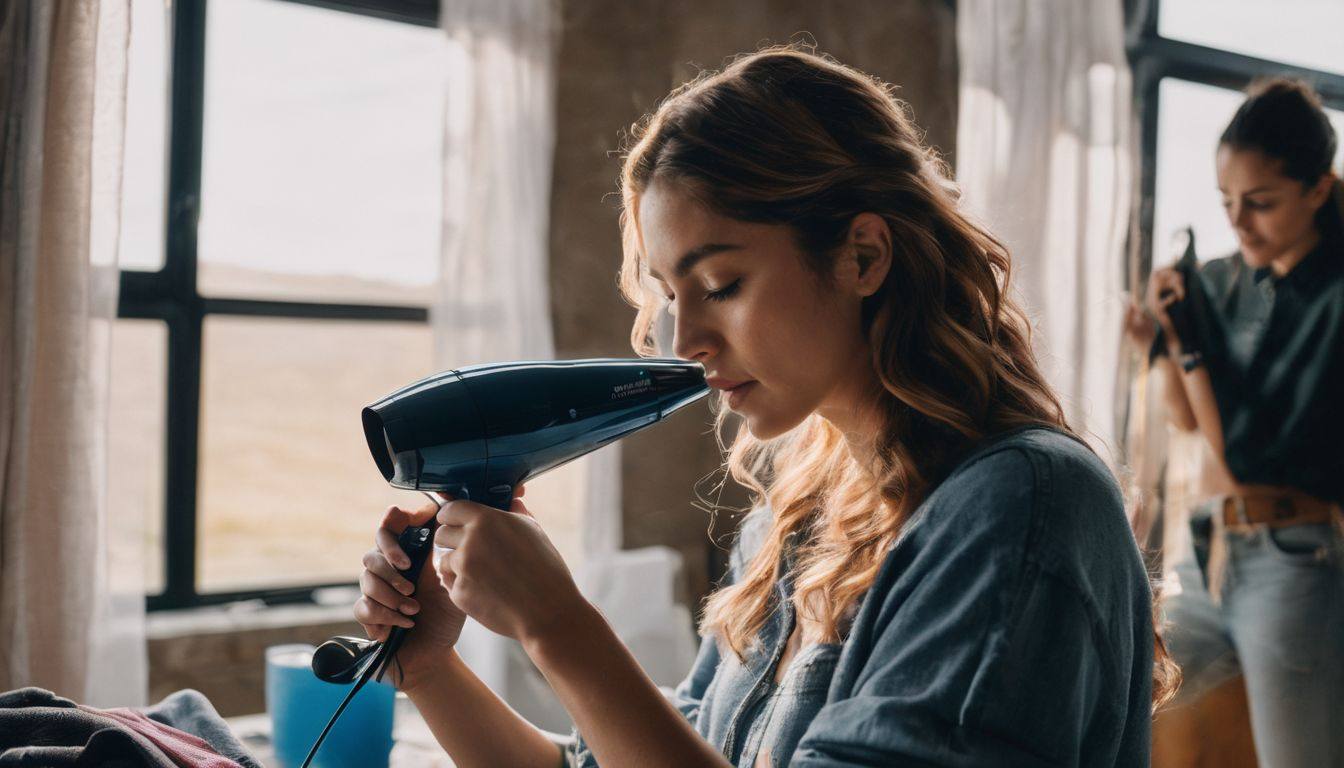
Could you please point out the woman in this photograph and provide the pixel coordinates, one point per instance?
(1259, 374)
(938, 571)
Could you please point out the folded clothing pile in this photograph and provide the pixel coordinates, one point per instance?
(39, 728)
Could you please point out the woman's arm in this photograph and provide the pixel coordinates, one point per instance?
(472, 724)
(1198, 389)
(506, 574)
(622, 715)
(1179, 410)
(1142, 331)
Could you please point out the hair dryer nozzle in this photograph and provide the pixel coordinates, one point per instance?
(483, 429)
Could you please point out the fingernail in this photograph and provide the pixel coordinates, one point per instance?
(403, 563)
(409, 608)
(405, 588)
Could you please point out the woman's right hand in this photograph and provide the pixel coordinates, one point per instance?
(1165, 287)
(387, 602)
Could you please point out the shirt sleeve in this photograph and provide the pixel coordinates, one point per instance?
(980, 654)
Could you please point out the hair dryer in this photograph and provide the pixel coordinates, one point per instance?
(478, 432)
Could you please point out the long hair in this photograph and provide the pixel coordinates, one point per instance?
(784, 136)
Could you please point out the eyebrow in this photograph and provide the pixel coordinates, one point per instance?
(1262, 188)
(694, 256)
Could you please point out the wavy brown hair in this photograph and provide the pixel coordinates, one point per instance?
(784, 136)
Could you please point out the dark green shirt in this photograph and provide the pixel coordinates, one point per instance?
(1274, 347)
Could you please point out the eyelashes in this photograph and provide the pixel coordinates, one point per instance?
(724, 292)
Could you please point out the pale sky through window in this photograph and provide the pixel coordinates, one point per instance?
(322, 142)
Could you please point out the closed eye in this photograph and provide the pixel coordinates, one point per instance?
(725, 292)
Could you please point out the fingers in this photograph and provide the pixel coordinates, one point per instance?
(449, 536)
(396, 520)
(375, 562)
(460, 513)
(382, 593)
(372, 614)
(520, 508)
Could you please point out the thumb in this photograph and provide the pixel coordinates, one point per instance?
(519, 507)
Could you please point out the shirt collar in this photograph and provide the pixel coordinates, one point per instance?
(1314, 267)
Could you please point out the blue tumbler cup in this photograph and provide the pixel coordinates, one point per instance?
(300, 705)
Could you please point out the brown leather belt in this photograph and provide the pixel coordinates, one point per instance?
(1276, 510)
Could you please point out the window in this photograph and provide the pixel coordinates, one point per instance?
(1192, 59)
(279, 249)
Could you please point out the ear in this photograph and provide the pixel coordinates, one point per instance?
(1320, 191)
(866, 255)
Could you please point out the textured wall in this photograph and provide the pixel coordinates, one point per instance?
(617, 58)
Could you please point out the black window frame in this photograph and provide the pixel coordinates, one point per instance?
(1154, 58)
(170, 295)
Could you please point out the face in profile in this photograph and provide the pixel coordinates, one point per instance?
(775, 338)
(1273, 215)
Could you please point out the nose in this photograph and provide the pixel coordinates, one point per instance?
(1239, 216)
(693, 339)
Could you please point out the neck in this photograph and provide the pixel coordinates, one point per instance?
(1285, 263)
(858, 418)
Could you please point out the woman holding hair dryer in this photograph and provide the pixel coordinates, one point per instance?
(937, 571)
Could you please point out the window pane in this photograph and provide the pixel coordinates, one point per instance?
(136, 440)
(288, 492)
(145, 162)
(1301, 32)
(321, 162)
(1191, 117)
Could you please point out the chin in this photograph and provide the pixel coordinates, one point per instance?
(765, 427)
(1256, 257)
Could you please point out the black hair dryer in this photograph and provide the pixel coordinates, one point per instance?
(478, 432)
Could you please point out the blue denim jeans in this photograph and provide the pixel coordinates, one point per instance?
(1280, 624)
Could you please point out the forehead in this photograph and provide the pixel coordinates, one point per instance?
(672, 222)
(1249, 168)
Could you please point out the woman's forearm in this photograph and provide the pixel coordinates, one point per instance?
(1199, 391)
(473, 725)
(1178, 404)
(622, 715)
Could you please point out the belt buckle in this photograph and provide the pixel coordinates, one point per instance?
(1239, 505)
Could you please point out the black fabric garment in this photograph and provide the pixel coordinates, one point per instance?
(39, 728)
(1274, 348)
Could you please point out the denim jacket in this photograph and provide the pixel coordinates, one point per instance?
(1009, 625)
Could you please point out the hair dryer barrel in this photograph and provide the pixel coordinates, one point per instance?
(486, 428)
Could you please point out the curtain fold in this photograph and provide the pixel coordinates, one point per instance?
(494, 290)
(1044, 158)
(69, 622)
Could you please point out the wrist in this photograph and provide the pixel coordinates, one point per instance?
(567, 630)
(416, 681)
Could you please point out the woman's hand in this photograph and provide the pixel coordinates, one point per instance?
(504, 571)
(1166, 287)
(1140, 327)
(387, 600)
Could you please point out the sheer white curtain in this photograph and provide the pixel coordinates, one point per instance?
(71, 620)
(494, 300)
(1043, 157)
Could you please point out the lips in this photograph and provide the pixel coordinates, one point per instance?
(735, 389)
(725, 384)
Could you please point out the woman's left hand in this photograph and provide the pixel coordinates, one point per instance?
(503, 570)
